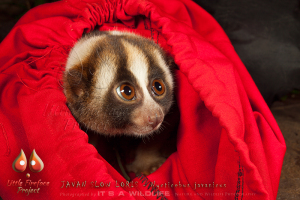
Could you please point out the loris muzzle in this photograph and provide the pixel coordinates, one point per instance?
(119, 83)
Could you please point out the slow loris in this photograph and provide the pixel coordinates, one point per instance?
(120, 84)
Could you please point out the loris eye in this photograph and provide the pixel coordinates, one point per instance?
(126, 92)
(158, 87)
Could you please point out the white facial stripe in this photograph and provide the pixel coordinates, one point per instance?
(120, 33)
(82, 49)
(165, 68)
(106, 69)
(138, 65)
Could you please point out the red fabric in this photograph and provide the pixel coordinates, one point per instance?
(227, 135)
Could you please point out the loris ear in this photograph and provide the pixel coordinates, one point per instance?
(74, 84)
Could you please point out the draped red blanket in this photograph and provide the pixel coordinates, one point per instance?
(229, 145)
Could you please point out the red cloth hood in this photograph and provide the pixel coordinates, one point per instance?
(229, 145)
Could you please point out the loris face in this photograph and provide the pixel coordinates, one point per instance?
(118, 83)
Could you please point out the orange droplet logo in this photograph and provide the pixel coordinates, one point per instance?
(35, 162)
(20, 163)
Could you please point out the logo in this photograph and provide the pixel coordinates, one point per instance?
(35, 162)
(35, 165)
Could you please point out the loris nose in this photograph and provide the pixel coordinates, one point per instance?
(155, 119)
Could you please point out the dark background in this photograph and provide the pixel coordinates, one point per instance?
(266, 36)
